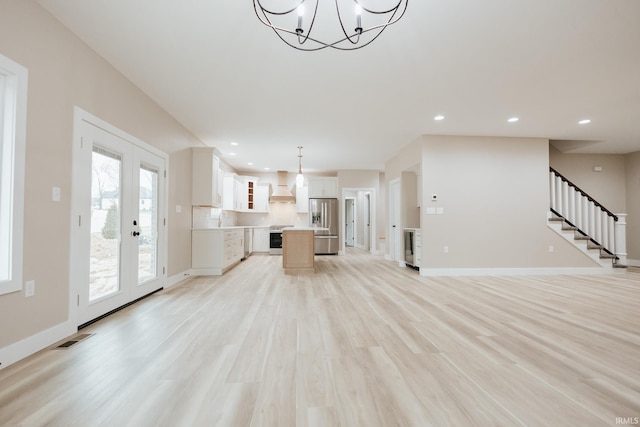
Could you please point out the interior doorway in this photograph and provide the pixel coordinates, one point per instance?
(350, 222)
(358, 218)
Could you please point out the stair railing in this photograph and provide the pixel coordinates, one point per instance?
(585, 213)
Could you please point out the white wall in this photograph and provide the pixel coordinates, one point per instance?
(63, 73)
(494, 195)
(632, 179)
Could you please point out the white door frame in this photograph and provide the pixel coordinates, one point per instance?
(395, 222)
(373, 234)
(354, 219)
(78, 204)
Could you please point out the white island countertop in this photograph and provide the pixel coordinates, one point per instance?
(229, 227)
(305, 228)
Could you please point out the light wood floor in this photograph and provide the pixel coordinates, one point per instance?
(361, 343)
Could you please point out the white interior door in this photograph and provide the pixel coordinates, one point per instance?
(367, 221)
(395, 243)
(119, 244)
(349, 222)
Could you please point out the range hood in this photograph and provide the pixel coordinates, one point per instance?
(281, 193)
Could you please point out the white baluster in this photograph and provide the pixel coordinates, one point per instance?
(621, 238)
(592, 220)
(585, 215)
(612, 234)
(579, 199)
(571, 206)
(565, 199)
(559, 195)
(604, 228)
(552, 191)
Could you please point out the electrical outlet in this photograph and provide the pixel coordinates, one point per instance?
(30, 288)
(550, 248)
(446, 249)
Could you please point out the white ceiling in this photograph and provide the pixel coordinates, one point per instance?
(227, 78)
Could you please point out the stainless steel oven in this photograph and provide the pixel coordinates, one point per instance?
(275, 239)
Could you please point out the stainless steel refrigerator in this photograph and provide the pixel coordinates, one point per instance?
(323, 215)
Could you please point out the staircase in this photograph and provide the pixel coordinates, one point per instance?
(579, 218)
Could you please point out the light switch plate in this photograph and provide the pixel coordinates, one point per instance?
(178, 208)
(55, 194)
(29, 288)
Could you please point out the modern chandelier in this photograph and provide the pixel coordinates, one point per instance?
(306, 24)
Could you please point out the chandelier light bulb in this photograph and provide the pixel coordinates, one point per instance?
(300, 15)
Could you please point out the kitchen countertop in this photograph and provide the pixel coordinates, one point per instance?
(230, 227)
(305, 228)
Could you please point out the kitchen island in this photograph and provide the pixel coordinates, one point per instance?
(298, 250)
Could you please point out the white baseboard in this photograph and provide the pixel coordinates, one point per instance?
(518, 271)
(633, 262)
(30, 345)
(177, 278)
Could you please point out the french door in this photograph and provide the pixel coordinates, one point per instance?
(118, 246)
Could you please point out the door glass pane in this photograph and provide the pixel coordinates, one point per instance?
(148, 239)
(104, 276)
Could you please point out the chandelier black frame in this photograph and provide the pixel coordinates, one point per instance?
(298, 37)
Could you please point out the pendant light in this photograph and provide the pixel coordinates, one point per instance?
(299, 177)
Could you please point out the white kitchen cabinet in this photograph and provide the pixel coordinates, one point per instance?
(241, 193)
(206, 179)
(302, 199)
(214, 251)
(261, 239)
(230, 193)
(323, 187)
(261, 197)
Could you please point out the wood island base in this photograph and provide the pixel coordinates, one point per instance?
(298, 251)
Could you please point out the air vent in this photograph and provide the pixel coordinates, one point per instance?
(73, 341)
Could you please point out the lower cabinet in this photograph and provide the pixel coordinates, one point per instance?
(214, 251)
(261, 239)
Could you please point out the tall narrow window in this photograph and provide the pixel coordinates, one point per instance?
(13, 114)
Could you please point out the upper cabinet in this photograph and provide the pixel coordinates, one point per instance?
(245, 194)
(323, 187)
(206, 177)
(230, 199)
(261, 197)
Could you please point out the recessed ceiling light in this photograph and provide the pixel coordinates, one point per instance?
(439, 117)
(513, 119)
(232, 154)
(250, 163)
(267, 169)
(584, 121)
(234, 144)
